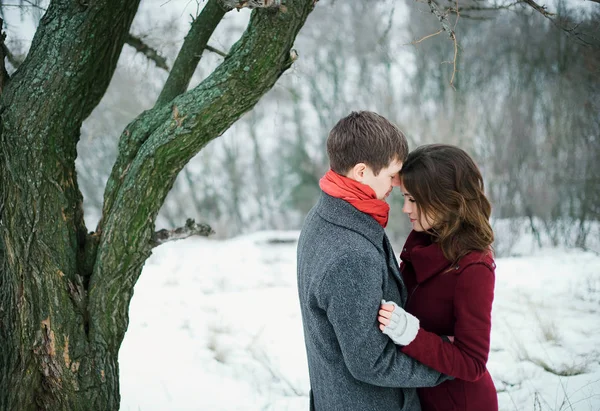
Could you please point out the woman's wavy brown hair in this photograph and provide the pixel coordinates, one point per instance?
(448, 188)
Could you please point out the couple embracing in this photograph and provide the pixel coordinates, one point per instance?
(397, 338)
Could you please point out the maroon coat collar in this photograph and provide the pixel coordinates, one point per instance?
(426, 256)
(428, 259)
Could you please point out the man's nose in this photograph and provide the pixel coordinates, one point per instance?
(396, 181)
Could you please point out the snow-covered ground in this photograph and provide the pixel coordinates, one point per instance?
(215, 325)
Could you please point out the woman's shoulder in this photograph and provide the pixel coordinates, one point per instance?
(477, 272)
(485, 258)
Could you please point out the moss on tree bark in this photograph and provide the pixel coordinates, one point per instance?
(64, 292)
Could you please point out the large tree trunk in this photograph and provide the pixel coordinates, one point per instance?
(48, 361)
(64, 293)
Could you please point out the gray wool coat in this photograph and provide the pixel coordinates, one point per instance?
(346, 266)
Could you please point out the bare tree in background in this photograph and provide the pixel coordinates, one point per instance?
(516, 105)
(526, 104)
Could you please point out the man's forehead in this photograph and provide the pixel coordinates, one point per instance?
(395, 165)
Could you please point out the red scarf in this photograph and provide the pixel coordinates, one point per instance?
(359, 195)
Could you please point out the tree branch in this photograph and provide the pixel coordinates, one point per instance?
(138, 44)
(21, 6)
(190, 229)
(541, 9)
(157, 145)
(191, 51)
(140, 129)
(489, 8)
(442, 17)
(251, 4)
(570, 31)
(214, 50)
(415, 42)
(74, 78)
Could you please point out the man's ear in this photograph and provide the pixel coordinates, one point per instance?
(357, 172)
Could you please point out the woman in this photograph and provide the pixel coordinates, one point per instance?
(448, 267)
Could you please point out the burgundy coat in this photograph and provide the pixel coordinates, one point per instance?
(452, 301)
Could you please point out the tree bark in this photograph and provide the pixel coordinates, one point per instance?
(64, 293)
(251, 4)
(47, 361)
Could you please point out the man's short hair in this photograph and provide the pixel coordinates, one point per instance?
(365, 137)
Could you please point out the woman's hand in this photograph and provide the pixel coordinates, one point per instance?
(396, 323)
(385, 313)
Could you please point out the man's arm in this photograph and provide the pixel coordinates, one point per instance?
(350, 293)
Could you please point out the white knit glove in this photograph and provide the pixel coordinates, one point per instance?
(403, 327)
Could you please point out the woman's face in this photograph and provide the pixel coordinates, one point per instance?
(419, 222)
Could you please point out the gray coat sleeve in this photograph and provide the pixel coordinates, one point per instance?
(350, 293)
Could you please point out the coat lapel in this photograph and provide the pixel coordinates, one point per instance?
(394, 269)
(425, 256)
(342, 213)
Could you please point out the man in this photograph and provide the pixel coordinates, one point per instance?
(346, 267)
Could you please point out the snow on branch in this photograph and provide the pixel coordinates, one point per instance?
(251, 4)
(147, 51)
(190, 229)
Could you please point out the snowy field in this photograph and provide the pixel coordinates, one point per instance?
(215, 325)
